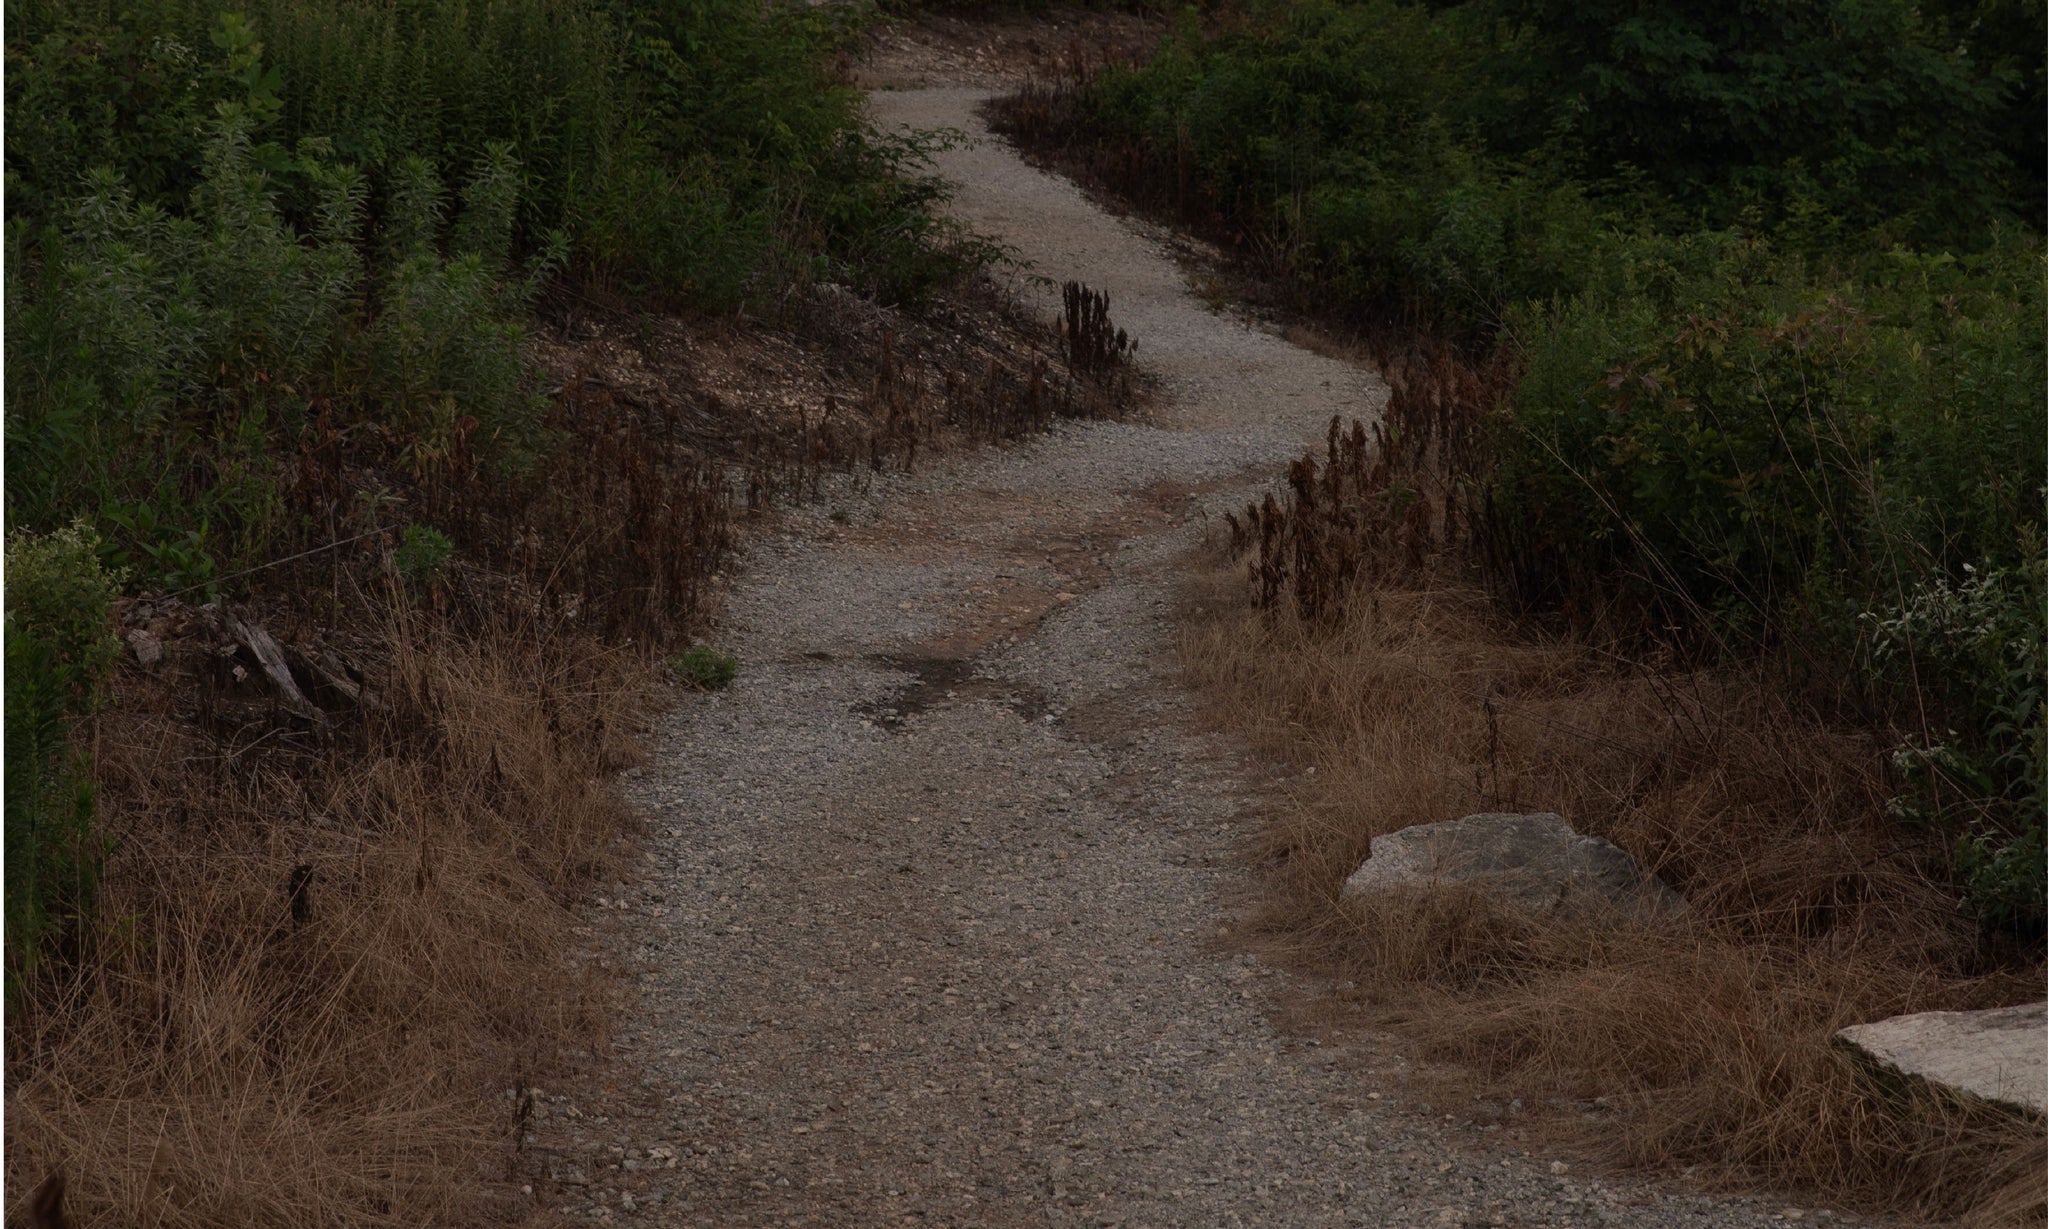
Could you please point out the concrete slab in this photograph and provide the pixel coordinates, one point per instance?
(1999, 1055)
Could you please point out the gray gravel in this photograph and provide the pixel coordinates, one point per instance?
(930, 929)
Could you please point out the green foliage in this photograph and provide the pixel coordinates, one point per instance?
(1333, 132)
(156, 357)
(1449, 161)
(1982, 647)
(1862, 109)
(704, 668)
(190, 281)
(693, 149)
(377, 82)
(445, 349)
(1747, 410)
(59, 646)
(1727, 424)
(422, 552)
(150, 351)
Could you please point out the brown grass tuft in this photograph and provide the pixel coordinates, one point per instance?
(1712, 1040)
(324, 967)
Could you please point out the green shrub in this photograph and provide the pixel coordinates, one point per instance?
(1447, 161)
(704, 668)
(693, 149)
(155, 358)
(421, 555)
(188, 278)
(1727, 430)
(445, 351)
(1978, 653)
(1867, 111)
(150, 353)
(59, 646)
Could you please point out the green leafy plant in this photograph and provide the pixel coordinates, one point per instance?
(59, 647)
(1981, 779)
(150, 350)
(445, 352)
(421, 555)
(704, 668)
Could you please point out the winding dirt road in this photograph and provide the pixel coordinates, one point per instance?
(930, 930)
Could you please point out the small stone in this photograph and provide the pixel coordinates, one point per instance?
(148, 649)
(1559, 1167)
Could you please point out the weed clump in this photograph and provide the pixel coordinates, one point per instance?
(704, 668)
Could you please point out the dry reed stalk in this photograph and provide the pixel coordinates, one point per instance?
(1713, 1039)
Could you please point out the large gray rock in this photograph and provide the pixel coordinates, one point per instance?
(1535, 861)
(2000, 1055)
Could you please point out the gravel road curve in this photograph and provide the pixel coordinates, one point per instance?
(930, 929)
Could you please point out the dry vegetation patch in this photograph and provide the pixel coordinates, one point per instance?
(1712, 1038)
(326, 964)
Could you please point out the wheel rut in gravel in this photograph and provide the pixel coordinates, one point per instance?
(929, 929)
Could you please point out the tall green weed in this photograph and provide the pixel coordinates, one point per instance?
(151, 351)
(444, 350)
(59, 646)
(1730, 424)
(158, 360)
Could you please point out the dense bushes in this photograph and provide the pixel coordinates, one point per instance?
(1772, 278)
(1871, 114)
(157, 359)
(1453, 160)
(1737, 426)
(716, 116)
(270, 270)
(222, 225)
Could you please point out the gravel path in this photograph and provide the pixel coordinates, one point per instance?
(930, 929)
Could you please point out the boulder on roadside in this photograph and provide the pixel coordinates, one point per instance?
(1533, 861)
(1999, 1055)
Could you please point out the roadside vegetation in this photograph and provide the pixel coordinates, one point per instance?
(1709, 512)
(331, 605)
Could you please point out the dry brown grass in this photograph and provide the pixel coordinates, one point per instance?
(323, 967)
(1712, 1039)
